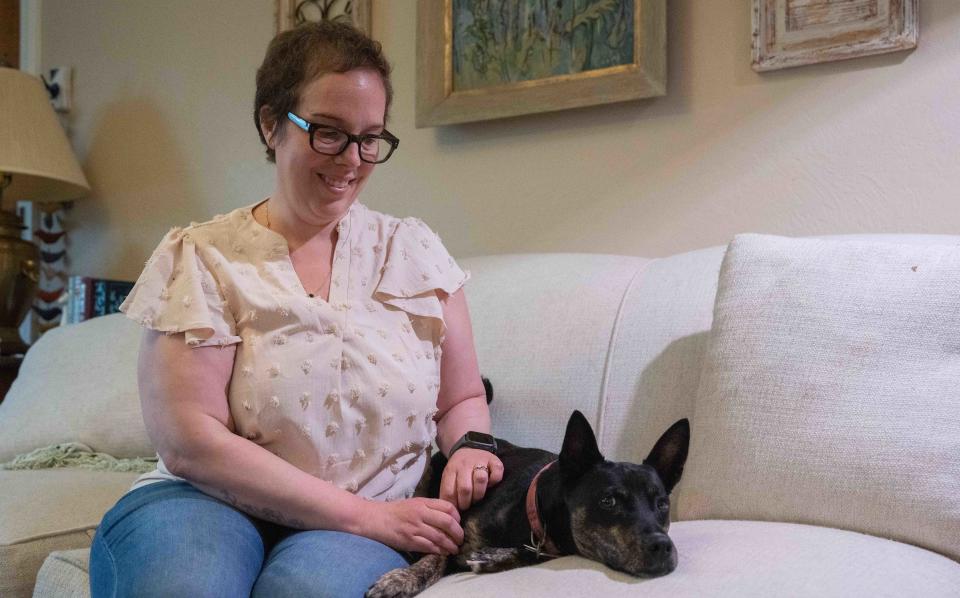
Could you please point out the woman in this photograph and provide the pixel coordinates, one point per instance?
(291, 374)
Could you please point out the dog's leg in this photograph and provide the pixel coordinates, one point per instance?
(409, 581)
(491, 559)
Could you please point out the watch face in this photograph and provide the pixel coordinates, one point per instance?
(479, 438)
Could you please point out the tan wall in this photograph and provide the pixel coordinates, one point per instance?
(163, 128)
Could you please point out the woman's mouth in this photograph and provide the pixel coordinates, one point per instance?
(335, 183)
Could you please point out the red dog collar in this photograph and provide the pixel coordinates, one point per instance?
(542, 544)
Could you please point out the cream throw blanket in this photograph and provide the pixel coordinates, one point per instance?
(76, 454)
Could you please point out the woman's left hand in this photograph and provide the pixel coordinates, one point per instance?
(467, 475)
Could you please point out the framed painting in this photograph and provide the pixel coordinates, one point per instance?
(789, 33)
(485, 59)
(290, 13)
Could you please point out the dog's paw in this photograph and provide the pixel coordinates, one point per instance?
(492, 559)
(399, 583)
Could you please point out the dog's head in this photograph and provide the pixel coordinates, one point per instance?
(620, 512)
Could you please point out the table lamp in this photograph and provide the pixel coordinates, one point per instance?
(37, 164)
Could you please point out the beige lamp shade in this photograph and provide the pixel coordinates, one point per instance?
(34, 150)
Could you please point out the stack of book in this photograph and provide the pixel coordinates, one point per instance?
(89, 297)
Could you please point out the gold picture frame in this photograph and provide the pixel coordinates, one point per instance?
(788, 33)
(290, 13)
(438, 102)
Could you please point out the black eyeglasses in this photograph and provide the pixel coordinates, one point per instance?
(331, 141)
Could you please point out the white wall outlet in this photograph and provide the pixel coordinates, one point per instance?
(59, 83)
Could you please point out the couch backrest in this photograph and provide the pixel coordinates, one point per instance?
(620, 338)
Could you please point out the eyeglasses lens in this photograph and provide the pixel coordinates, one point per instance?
(331, 142)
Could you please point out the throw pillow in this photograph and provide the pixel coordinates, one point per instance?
(829, 390)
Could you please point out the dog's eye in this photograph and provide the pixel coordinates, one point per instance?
(663, 504)
(608, 502)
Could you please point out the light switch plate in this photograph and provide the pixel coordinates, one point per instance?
(59, 82)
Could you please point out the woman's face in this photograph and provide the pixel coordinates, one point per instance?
(315, 185)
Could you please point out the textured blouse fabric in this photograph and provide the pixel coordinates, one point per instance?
(344, 389)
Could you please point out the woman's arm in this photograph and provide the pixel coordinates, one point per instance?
(462, 406)
(183, 393)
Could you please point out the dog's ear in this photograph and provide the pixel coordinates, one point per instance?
(487, 389)
(579, 452)
(670, 453)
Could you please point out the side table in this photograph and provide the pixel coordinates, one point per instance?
(9, 366)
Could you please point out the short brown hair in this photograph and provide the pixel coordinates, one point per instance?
(298, 56)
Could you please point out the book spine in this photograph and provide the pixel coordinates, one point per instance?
(88, 298)
(116, 292)
(76, 299)
(99, 298)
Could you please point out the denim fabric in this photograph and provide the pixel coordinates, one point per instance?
(170, 539)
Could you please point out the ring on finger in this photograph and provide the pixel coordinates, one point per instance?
(481, 467)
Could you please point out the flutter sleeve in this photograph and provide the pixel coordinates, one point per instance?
(177, 292)
(417, 265)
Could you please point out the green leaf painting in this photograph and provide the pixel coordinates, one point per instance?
(496, 42)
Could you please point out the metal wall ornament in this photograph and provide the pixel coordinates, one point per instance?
(50, 297)
(290, 13)
(788, 33)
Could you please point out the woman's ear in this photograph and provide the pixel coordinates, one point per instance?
(268, 125)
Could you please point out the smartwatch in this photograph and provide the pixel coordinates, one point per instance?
(475, 440)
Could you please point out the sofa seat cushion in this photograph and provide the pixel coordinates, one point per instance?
(46, 510)
(738, 559)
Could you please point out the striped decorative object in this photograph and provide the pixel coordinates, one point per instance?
(51, 239)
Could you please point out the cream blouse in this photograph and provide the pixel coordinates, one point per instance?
(344, 389)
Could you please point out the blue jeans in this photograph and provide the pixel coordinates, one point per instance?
(170, 539)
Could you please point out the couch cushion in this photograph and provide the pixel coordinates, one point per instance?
(64, 574)
(828, 394)
(78, 383)
(738, 559)
(656, 352)
(47, 510)
(543, 325)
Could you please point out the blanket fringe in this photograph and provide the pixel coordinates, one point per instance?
(77, 454)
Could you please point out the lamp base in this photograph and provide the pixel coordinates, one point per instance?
(11, 343)
(19, 271)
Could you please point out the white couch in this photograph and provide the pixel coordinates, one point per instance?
(623, 339)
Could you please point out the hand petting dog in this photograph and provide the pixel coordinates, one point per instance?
(467, 475)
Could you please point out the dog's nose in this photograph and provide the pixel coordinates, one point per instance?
(658, 547)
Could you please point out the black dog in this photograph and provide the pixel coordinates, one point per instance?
(547, 506)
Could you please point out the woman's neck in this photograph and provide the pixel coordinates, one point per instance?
(294, 229)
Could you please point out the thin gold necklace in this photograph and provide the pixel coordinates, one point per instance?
(266, 213)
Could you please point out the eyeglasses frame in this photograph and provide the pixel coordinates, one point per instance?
(311, 129)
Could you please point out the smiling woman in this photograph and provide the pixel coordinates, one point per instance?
(301, 356)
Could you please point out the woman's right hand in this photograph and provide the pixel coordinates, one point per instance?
(425, 525)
